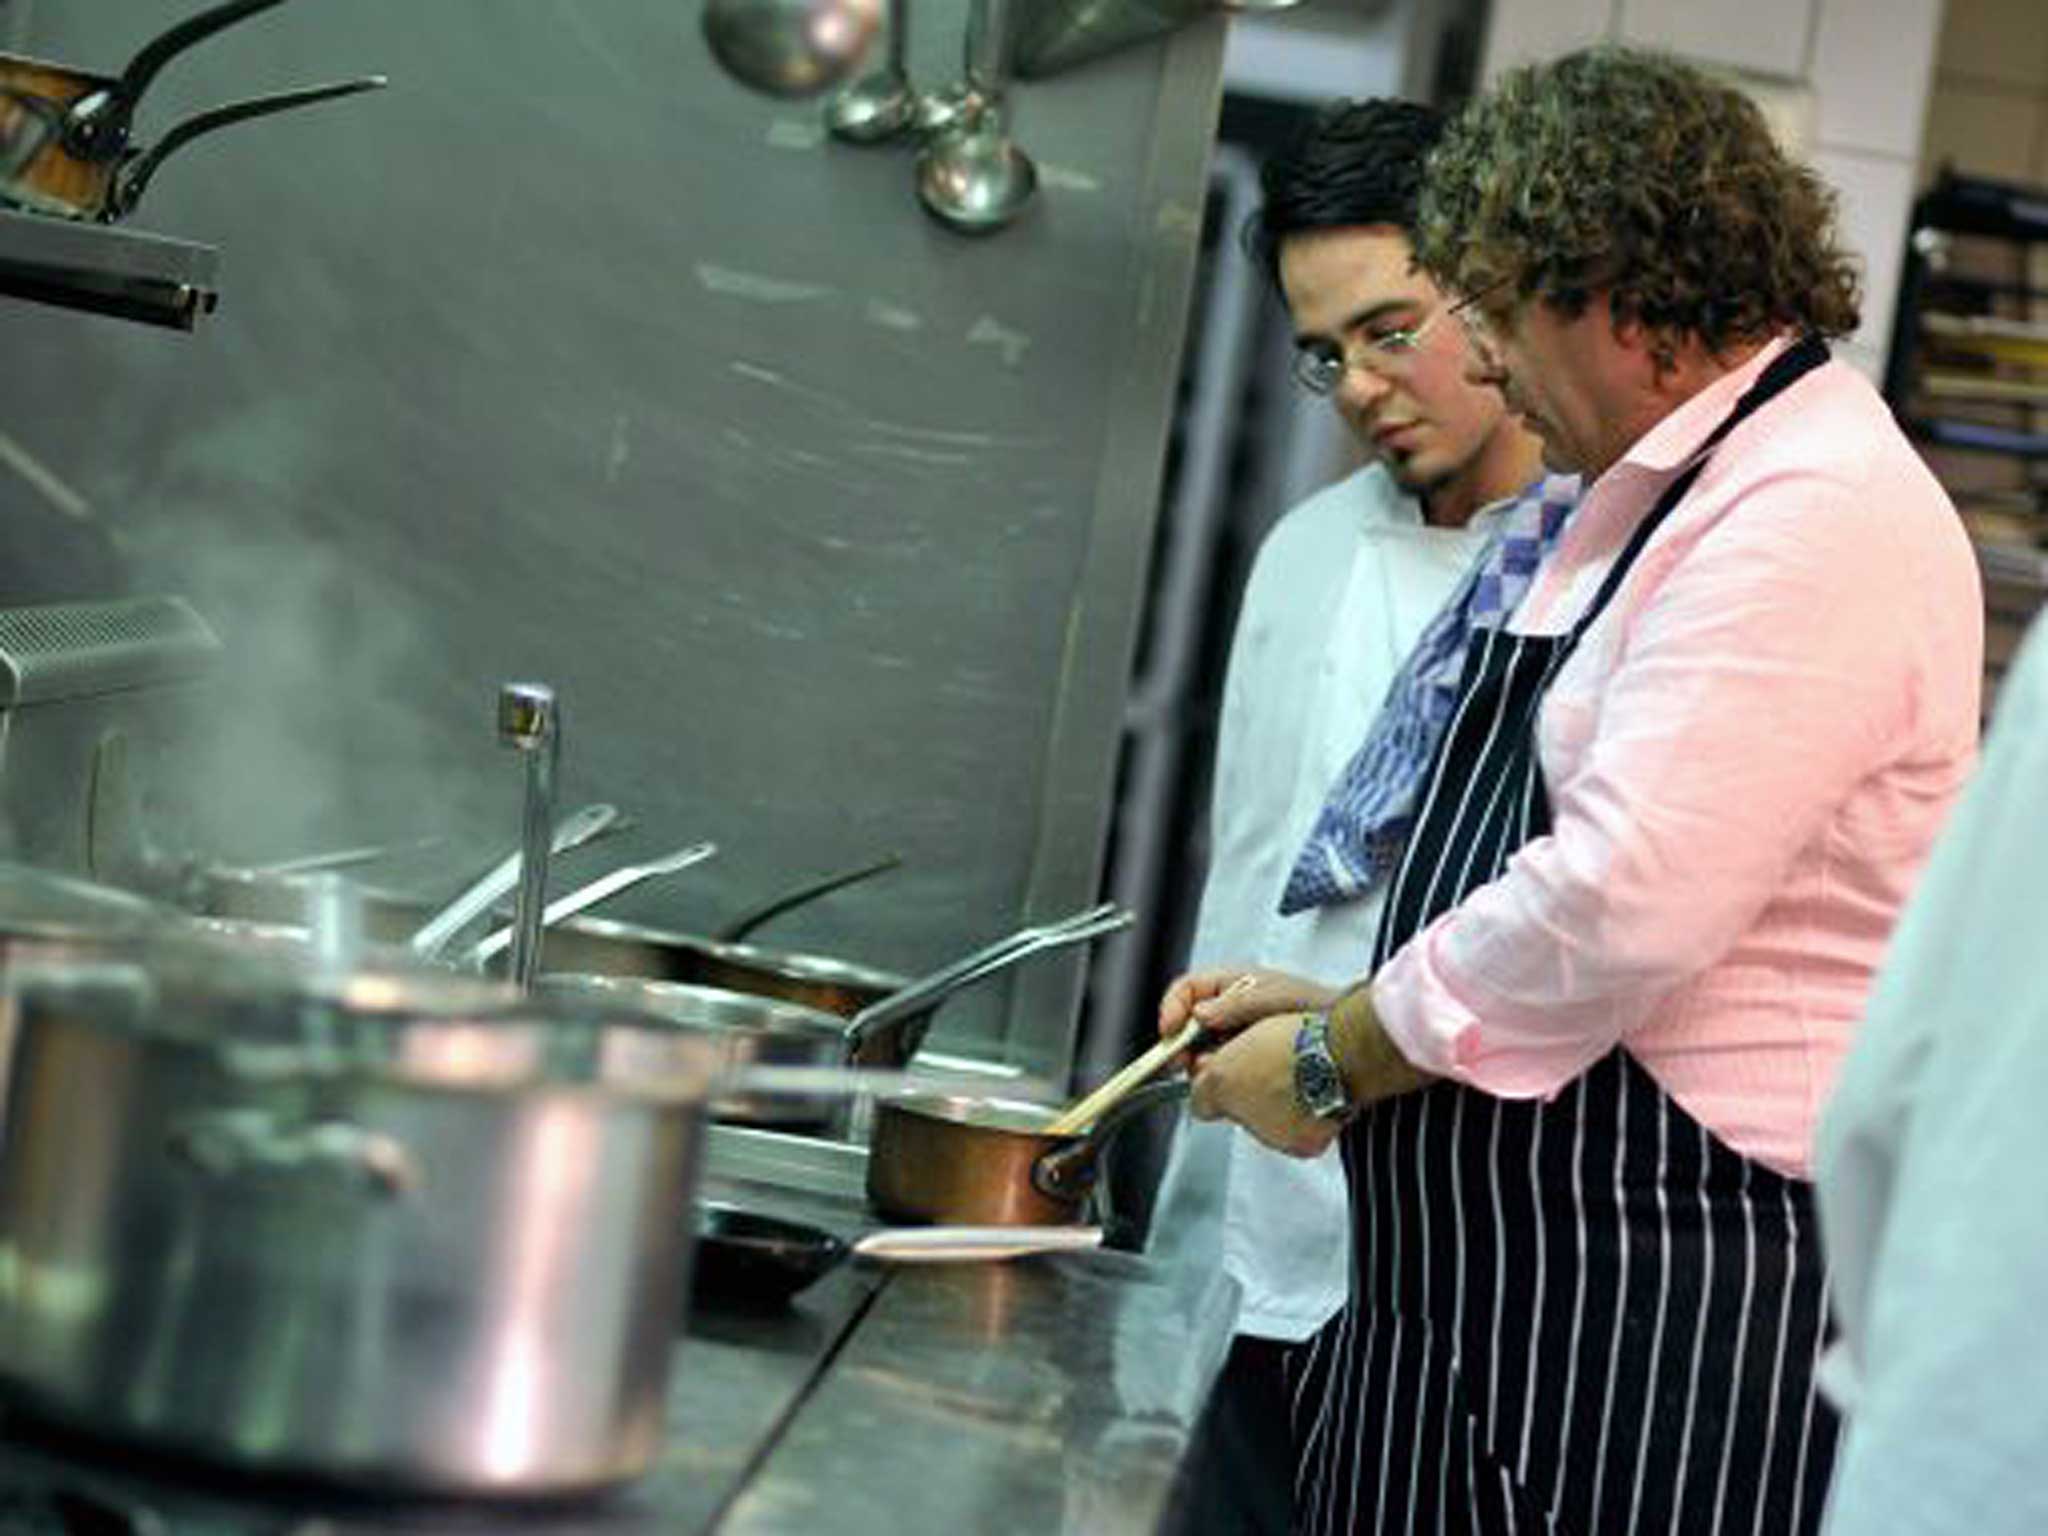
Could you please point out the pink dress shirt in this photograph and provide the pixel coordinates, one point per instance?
(1747, 759)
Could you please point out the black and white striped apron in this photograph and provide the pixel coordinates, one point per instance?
(1586, 1317)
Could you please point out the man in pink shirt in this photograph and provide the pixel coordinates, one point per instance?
(1682, 801)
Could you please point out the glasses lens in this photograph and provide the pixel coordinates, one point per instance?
(1317, 371)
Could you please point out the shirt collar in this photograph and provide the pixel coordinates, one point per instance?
(1676, 438)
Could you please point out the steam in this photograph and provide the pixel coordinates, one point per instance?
(314, 733)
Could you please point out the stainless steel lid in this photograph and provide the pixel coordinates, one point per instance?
(445, 1032)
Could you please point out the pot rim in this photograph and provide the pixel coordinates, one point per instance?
(981, 1112)
(364, 1033)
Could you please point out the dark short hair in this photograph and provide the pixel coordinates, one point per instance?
(1636, 177)
(1355, 163)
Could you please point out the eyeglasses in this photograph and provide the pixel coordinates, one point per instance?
(1320, 366)
(1481, 331)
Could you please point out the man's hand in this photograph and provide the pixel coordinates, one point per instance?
(1228, 1000)
(1250, 1080)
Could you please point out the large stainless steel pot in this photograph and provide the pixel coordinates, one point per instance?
(50, 918)
(748, 1032)
(399, 1234)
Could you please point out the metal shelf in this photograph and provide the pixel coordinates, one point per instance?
(125, 273)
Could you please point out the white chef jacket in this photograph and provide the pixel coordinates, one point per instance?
(1933, 1174)
(1341, 590)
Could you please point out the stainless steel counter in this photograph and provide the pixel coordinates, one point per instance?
(1053, 1395)
(1049, 1394)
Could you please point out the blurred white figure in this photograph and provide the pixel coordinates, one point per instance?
(1933, 1174)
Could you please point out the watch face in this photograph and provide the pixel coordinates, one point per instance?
(1316, 1083)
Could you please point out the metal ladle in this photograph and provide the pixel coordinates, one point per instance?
(972, 176)
(790, 47)
(880, 104)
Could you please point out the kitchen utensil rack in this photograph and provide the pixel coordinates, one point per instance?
(1967, 377)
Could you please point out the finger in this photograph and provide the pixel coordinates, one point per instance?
(1176, 1003)
(1188, 992)
(1205, 1100)
(1228, 1002)
(1230, 1018)
(1233, 1010)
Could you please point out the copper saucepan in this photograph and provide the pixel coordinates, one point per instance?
(66, 143)
(989, 1162)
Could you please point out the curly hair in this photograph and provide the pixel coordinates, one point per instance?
(1355, 163)
(1634, 176)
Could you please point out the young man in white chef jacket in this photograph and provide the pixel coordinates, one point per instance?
(1342, 589)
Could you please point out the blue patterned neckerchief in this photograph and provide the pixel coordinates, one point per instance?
(1367, 815)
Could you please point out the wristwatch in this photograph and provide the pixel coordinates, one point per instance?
(1318, 1085)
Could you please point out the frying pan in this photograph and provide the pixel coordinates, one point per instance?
(747, 1259)
(66, 140)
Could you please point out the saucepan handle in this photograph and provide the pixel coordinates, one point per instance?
(1067, 1172)
(924, 994)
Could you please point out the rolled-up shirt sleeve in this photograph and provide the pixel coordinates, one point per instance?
(1753, 682)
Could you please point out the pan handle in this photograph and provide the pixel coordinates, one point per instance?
(96, 128)
(1067, 1172)
(127, 191)
(748, 921)
(921, 996)
(166, 46)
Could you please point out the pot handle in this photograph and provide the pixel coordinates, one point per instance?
(128, 188)
(246, 1143)
(1067, 1172)
(96, 128)
(167, 45)
(895, 1013)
